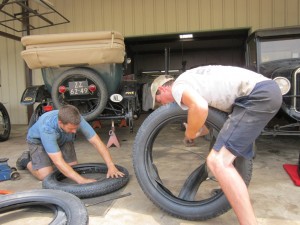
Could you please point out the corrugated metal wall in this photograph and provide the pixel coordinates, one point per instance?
(137, 18)
(12, 78)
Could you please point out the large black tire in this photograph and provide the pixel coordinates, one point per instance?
(4, 123)
(98, 188)
(59, 216)
(90, 106)
(190, 195)
(72, 206)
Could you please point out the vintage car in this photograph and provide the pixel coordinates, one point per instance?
(275, 53)
(82, 69)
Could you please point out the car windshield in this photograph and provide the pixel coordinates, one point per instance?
(279, 49)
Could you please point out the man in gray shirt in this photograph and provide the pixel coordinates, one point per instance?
(251, 99)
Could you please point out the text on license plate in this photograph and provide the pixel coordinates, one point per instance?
(78, 88)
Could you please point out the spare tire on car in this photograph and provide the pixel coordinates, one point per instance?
(83, 88)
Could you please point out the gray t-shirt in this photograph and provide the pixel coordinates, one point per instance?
(218, 85)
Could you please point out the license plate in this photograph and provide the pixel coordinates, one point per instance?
(78, 88)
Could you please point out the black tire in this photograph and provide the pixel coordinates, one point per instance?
(35, 115)
(190, 195)
(72, 206)
(90, 106)
(137, 110)
(130, 114)
(59, 216)
(98, 188)
(4, 123)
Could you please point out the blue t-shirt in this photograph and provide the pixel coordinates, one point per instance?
(47, 132)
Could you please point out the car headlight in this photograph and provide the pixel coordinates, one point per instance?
(284, 84)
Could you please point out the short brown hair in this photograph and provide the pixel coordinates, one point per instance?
(69, 114)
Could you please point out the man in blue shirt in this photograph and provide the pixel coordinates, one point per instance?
(51, 142)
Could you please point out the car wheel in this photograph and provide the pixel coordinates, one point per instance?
(77, 82)
(35, 115)
(5, 125)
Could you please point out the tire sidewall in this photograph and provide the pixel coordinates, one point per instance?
(74, 209)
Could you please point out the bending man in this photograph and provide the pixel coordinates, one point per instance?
(251, 99)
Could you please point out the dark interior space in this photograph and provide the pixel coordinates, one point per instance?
(154, 55)
(168, 54)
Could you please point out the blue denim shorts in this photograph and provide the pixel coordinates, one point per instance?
(250, 114)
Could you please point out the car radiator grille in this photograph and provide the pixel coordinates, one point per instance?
(296, 100)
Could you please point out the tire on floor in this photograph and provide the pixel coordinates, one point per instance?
(73, 209)
(98, 188)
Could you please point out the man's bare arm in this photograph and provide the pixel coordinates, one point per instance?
(103, 151)
(67, 170)
(197, 112)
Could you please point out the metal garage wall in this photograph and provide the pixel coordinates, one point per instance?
(12, 78)
(142, 17)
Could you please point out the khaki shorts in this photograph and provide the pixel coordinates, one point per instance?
(40, 158)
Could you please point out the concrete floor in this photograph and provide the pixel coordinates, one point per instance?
(274, 196)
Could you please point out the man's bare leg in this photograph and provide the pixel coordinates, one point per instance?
(232, 184)
(41, 173)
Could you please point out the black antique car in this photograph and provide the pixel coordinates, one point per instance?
(82, 69)
(275, 53)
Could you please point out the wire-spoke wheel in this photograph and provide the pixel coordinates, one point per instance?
(5, 125)
(84, 88)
